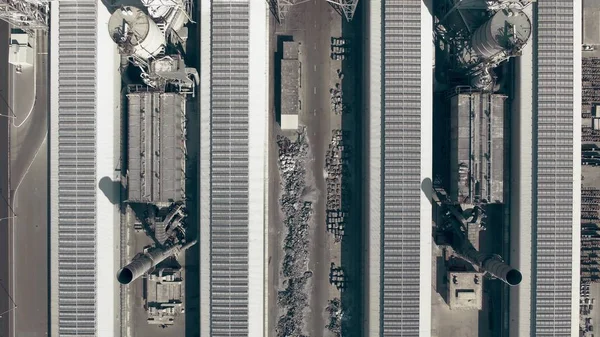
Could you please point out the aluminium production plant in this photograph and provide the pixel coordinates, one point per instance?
(320, 168)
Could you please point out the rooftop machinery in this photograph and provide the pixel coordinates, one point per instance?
(153, 43)
(459, 219)
(479, 35)
(28, 15)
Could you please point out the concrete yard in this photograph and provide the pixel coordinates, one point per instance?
(313, 25)
(6, 302)
(591, 178)
(591, 27)
(29, 182)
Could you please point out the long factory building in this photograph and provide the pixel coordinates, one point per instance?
(233, 166)
(546, 175)
(398, 150)
(557, 169)
(84, 147)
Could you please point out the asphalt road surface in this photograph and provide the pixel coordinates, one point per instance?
(29, 180)
(6, 303)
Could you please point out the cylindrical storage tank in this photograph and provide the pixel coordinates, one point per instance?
(504, 31)
(136, 33)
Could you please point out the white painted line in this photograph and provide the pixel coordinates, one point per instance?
(30, 163)
(34, 93)
(315, 90)
(314, 68)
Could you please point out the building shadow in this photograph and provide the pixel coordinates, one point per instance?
(112, 189)
(277, 57)
(192, 184)
(353, 242)
(113, 5)
(441, 279)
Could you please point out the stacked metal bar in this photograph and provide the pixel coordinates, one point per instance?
(76, 168)
(553, 169)
(229, 168)
(401, 172)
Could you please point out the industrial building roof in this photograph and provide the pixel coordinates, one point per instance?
(554, 172)
(405, 144)
(229, 216)
(290, 86)
(477, 147)
(291, 49)
(74, 179)
(233, 88)
(156, 151)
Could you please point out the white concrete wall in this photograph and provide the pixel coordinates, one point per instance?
(257, 125)
(577, 41)
(204, 167)
(521, 184)
(427, 57)
(53, 138)
(372, 208)
(107, 220)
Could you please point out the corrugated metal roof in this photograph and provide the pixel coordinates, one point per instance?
(554, 170)
(77, 168)
(156, 135)
(401, 176)
(229, 168)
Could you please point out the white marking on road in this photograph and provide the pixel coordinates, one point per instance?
(34, 94)
(315, 112)
(315, 90)
(30, 163)
(314, 68)
(13, 220)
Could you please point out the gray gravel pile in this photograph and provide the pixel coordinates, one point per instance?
(293, 299)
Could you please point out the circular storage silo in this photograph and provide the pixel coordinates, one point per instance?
(505, 31)
(135, 32)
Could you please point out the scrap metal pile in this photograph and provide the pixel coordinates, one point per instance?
(590, 71)
(590, 235)
(589, 134)
(337, 277)
(340, 48)
(336, 166)
(337, 98)
(293, 299)
(335, 314)
(586, 305)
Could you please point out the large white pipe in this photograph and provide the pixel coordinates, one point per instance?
(145, 261)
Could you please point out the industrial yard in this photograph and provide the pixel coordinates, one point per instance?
(294, 168)
(589, 313)
(314, 255)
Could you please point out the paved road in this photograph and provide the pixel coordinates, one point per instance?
(5, 229)
(317, 69)
(29, 180)
(30, 127)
